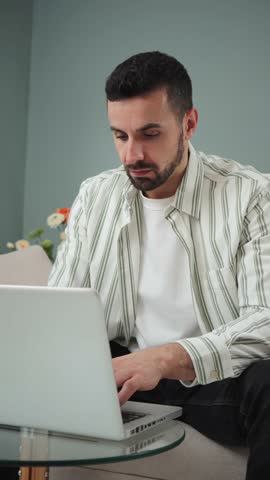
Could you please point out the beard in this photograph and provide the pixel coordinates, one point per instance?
(161, 176)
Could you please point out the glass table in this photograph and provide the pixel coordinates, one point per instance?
(39, 449)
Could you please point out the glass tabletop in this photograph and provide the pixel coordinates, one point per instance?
(31, 447)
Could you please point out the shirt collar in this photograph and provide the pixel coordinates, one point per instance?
(189, 193)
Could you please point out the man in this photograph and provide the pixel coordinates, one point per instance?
(177, 244)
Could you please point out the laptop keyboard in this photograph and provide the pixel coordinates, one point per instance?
(130, 416)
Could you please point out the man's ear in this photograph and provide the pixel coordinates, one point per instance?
(190, 123)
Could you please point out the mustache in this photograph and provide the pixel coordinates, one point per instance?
(140, 165)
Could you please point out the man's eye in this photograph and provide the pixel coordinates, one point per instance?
(151, 134)
(121, 137)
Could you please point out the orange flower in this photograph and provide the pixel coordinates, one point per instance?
(22, 244)
(65, 212)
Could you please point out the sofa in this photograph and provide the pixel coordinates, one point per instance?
(196, 458)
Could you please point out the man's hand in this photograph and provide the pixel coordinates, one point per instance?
(144, 369)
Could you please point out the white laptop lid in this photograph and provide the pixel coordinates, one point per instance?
(48, 371)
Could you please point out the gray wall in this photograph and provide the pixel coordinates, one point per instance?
(15, 46)
(76, 43)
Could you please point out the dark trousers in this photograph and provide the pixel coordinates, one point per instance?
(9, 473)
(235, 411)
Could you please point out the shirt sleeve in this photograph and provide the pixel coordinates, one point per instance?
(71, 267)
(230, 349)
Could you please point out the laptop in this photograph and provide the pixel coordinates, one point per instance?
(55, 366)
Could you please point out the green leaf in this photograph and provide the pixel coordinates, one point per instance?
(36, 233)
(46, 244)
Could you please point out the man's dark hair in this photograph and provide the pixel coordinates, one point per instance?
(150, 71)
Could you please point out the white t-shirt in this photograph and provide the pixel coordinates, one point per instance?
(165, 310)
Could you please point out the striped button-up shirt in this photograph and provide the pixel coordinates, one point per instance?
(221, 214)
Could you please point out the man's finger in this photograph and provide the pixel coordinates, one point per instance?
(127, 391)
(121, 376)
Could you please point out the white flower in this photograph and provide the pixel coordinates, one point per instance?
(62, 236)
(55, 220)
(21, 244)
(11, 245)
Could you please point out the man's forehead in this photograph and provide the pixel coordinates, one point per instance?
(139, 111)
(156, 98)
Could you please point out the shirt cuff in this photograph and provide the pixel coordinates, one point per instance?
(190, 384)
(210, 357)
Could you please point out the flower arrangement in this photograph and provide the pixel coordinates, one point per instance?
(56, 220)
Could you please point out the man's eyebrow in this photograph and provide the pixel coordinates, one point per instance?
(141, 129)
(115, 129)
(147, 126)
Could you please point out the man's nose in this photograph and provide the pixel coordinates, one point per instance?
(134, 152)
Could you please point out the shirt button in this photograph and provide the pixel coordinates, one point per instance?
(214, 375)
